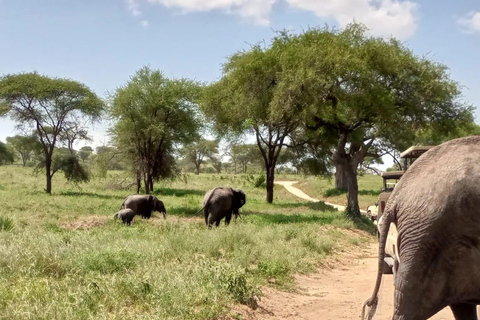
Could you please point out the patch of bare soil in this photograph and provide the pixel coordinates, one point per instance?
(336, 291)
(85, 223)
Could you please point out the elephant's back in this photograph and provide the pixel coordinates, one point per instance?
(437, 201)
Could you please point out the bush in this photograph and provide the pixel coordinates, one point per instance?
(257, 182)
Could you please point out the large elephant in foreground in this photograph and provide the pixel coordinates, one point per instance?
(436, 208)
(144, 204)
(220, 203)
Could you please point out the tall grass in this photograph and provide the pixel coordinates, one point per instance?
(155, 269)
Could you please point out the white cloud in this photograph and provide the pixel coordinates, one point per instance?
(134, 7)
(257, 11)
(144, 23)
(470, 22)
(382, 17)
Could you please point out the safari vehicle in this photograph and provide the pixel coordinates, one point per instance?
(390, 179)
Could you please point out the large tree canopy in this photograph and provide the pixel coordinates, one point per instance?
(361, 90)
(156, 115)
(47, 105)
(243, 101)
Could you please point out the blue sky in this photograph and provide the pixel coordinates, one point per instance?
(102, 43)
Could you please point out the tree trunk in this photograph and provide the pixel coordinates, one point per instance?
(197, 167)
(139, 184)
(146, 183)
(270, 178)
(150, 182)
(341, 178)
(353, 209)
(48, 169)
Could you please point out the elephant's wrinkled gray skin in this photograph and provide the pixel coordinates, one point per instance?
(126, 215)
(143, 205)
(436, 208)
(220, 203)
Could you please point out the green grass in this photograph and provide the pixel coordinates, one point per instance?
(369, 187)
(155, 269)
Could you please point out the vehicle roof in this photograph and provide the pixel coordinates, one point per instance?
(392, 174)
(415, 152)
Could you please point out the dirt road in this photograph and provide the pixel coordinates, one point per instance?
(332, 293)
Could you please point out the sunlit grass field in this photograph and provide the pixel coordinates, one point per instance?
(62, 256)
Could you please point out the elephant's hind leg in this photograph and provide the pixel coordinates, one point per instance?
(464, 311)
(210, 221)
(228, 217)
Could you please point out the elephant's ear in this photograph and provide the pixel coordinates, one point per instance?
(239, 198)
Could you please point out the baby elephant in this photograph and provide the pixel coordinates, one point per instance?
(126, 215)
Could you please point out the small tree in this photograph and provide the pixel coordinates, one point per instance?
(47, 105)
(25, 146)
(85, 152)
(6, 156)
(198, 152)
(155, 115)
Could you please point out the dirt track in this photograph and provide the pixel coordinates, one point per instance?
(333, 293)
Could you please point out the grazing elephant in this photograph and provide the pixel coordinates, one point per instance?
(126, 215)
(436, 209)
(143, 205)
(220, 202)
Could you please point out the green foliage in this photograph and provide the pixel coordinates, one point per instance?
(6, 223)
(154, 115)
(6, 156)
(258, 181)
(358, 91)
(71, 167)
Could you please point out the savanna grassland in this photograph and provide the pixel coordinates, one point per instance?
(64, 257)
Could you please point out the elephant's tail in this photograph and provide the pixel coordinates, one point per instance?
(199, 210)
(373, 300)
(207, 202)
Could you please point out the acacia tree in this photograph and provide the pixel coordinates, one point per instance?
(364, 89)
(155, 116)
(242, 101)
(199, 151)
(73, 131)
(26, 146)
(47, 105)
